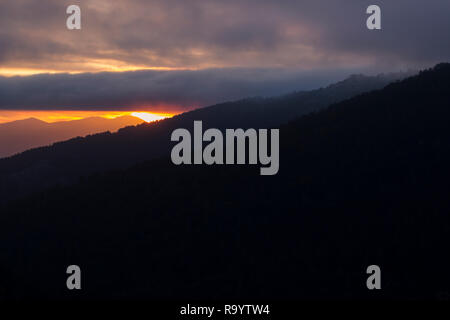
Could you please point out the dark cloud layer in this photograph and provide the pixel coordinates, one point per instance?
(154, 90)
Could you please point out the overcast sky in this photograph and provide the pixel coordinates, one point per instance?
(211, 50)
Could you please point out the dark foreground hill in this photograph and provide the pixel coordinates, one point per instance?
(64, 162)
(364, 182)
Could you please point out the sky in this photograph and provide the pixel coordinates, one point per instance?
(168, 56)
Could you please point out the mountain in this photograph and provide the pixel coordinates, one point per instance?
(21, 135)
(65, 162)
(362, 182)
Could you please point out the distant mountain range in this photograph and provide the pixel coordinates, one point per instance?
(65, 162)
(21, 135)
(362, 182)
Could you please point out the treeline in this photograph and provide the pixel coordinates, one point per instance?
(63, 163)
(363, 182)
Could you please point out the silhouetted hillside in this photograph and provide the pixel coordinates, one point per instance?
(64, 162)
(21, 135)
(363, 182)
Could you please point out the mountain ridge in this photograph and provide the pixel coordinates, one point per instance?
(22, 135)
(66, 161)
(362, 182)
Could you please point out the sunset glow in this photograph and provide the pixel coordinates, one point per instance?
(91, 66)
(148, 117)
(63, 115)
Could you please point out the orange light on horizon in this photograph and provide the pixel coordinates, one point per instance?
(91, 67)
(63, 115)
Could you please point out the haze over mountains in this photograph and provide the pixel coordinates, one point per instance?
(65, 162)
(364, 181)
(21, 135)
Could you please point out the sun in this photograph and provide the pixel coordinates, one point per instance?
(148, 117)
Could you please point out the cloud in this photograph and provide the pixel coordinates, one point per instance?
(154, 90)
(122, 34)
(216, 50)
